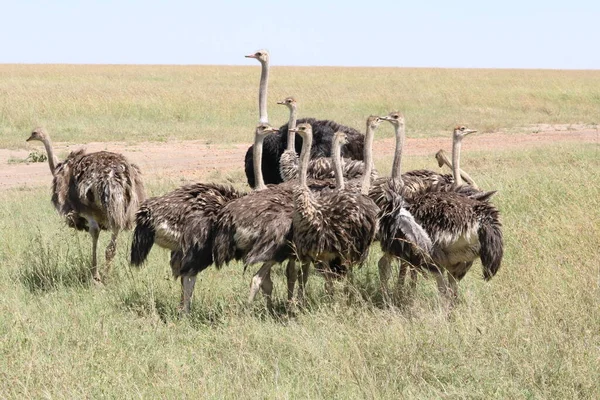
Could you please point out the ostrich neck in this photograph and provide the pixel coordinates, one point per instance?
(257, 153)
(456, 144)
(368, 160)
(463, 174)
(337, 164)
(304, 160)
(397, 165)
(291, 139)
(52, 160)
(262, 93)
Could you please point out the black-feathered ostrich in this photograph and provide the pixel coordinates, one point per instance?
(181, 221)
(275, 144)
(337, 223)
(94, 192)
(461, 228)
(318, 168)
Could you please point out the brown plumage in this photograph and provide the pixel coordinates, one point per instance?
(336, 223)
(95, 191)
(181, 221)
(461, 228)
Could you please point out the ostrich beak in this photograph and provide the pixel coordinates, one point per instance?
(281, 102)
(386, 118)
(250, 56)
(295, 130)
(29, 139)
(469, 131)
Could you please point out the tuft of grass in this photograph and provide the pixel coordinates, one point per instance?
(47, 266)
(33, 157)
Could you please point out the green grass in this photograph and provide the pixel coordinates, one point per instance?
(79, 103)
(531, 332)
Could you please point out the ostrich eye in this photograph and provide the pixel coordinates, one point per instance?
(462, 128)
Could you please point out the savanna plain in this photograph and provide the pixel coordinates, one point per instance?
(531, 332)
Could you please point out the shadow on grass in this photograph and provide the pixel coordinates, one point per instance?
(48, 267)
(147, 301)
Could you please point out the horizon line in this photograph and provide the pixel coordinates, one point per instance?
(288, 66)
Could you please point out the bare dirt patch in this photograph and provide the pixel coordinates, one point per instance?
(190, 160)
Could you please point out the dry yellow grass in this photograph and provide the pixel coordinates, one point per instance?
(532, 332)
(80, 103)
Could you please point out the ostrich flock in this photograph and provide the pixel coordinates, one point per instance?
(315, 200)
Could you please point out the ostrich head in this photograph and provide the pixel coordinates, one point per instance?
(303, 130)
(461, 131)
(260, 55)
(38, 133)
(395, 118)
(265, 129)
(373, 121)
(340, 137)
(290, 102)
(441, 156)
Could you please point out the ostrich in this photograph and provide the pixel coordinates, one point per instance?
(275, 144)
(181, 221)
(338, 223)
(319, 168)
(257, 227)
(94, 192)
(461, 228)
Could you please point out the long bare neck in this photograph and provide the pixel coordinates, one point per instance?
(397, 165)
(291, 138)
(304, 160)
(262, 93)
(337, 164)
(257, 153)
(456, 145)
(368, 160)
(443, 159)
(52, 160)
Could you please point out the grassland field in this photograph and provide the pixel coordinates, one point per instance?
(531, 332)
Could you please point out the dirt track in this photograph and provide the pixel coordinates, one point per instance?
(193, 160)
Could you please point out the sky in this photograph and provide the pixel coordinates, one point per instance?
(419, 33)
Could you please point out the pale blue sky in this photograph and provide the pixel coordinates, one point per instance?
(460, 33)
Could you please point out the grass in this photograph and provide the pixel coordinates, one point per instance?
(218, 104)
(531, 332)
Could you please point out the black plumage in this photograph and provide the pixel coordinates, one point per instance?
(323, 131)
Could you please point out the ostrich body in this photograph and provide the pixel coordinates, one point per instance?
(181, 221)
(320, 168)
(257, 227)
(461, 228)
(94, 192)
(338, 223)
(276, 144)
